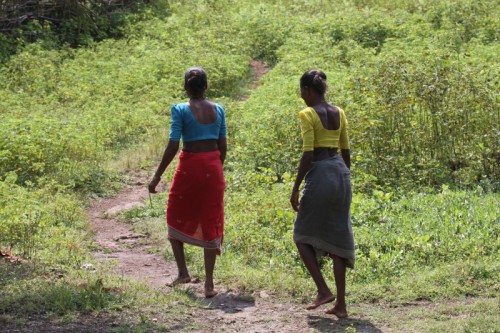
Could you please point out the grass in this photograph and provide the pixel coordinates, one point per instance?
(457, 315)
(30, 292)
(434, 281)
(396, 232)
(140, 155)
(455, 293)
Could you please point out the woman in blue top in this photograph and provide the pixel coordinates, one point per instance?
(195, 207)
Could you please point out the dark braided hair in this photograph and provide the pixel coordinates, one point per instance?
(314, 79)
(195, 80)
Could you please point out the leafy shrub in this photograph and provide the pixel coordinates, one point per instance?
(41, 224)
(75, 22)
(430, 112)
(62, 297)
(422, 230)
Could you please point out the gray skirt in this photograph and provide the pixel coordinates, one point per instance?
(324, 218)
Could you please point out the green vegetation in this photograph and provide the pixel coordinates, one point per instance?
(415, 247)
(418, 82)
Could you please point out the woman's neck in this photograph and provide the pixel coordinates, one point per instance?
(196, 97)
(316, 100)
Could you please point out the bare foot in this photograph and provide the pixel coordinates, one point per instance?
(210, 293)
(337, 310)
(320, 300)
(209, 290)
(179, 280)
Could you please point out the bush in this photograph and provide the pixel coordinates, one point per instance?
(41, 224)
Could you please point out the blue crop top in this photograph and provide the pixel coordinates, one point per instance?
(183, 123)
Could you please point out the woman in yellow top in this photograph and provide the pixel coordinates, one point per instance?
(323, 223)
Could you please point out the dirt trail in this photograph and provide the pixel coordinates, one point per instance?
(226, 312)
(120, 243)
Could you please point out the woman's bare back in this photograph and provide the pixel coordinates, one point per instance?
(203, 111)
(329, 116)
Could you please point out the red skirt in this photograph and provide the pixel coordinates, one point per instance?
(195, 206)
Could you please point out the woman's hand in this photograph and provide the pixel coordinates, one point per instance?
(152, 185)
(168, 156)
(294, 200)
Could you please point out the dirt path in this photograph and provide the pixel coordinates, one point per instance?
(259, 69)
(118, 241)
(228, 311)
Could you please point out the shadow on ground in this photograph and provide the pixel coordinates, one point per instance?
(228, 301)
(100, 323)
(334, 325)
(17, 271)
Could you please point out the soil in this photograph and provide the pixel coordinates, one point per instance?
(228, 311)
(119, 243)
(259, 69)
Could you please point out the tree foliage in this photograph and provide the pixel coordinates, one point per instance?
(58, 22)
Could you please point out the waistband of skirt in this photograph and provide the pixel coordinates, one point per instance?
(323, 153)
(205, 154)
(334, 158)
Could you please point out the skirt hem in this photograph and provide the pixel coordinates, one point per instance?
(321, 245)
(216, 244)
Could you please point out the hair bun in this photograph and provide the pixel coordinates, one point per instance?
(315, 79)
(195, 80)
(321, 75)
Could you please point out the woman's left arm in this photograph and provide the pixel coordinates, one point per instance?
(222, 144)
(346, 156)
(304, 166)
(344, 140)
(222, 141)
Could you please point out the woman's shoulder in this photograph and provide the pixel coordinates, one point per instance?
(179, 106)
(308, 110)
(218, 108)
(308, 115)
(341, 111)
(216, 105)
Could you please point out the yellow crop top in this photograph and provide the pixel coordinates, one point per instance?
(315, 135)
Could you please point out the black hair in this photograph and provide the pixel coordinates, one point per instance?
(195, 80)
(315, 79)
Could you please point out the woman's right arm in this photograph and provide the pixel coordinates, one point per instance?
(307, 132)
(305, 164)
(172, 146)
(168, 156)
